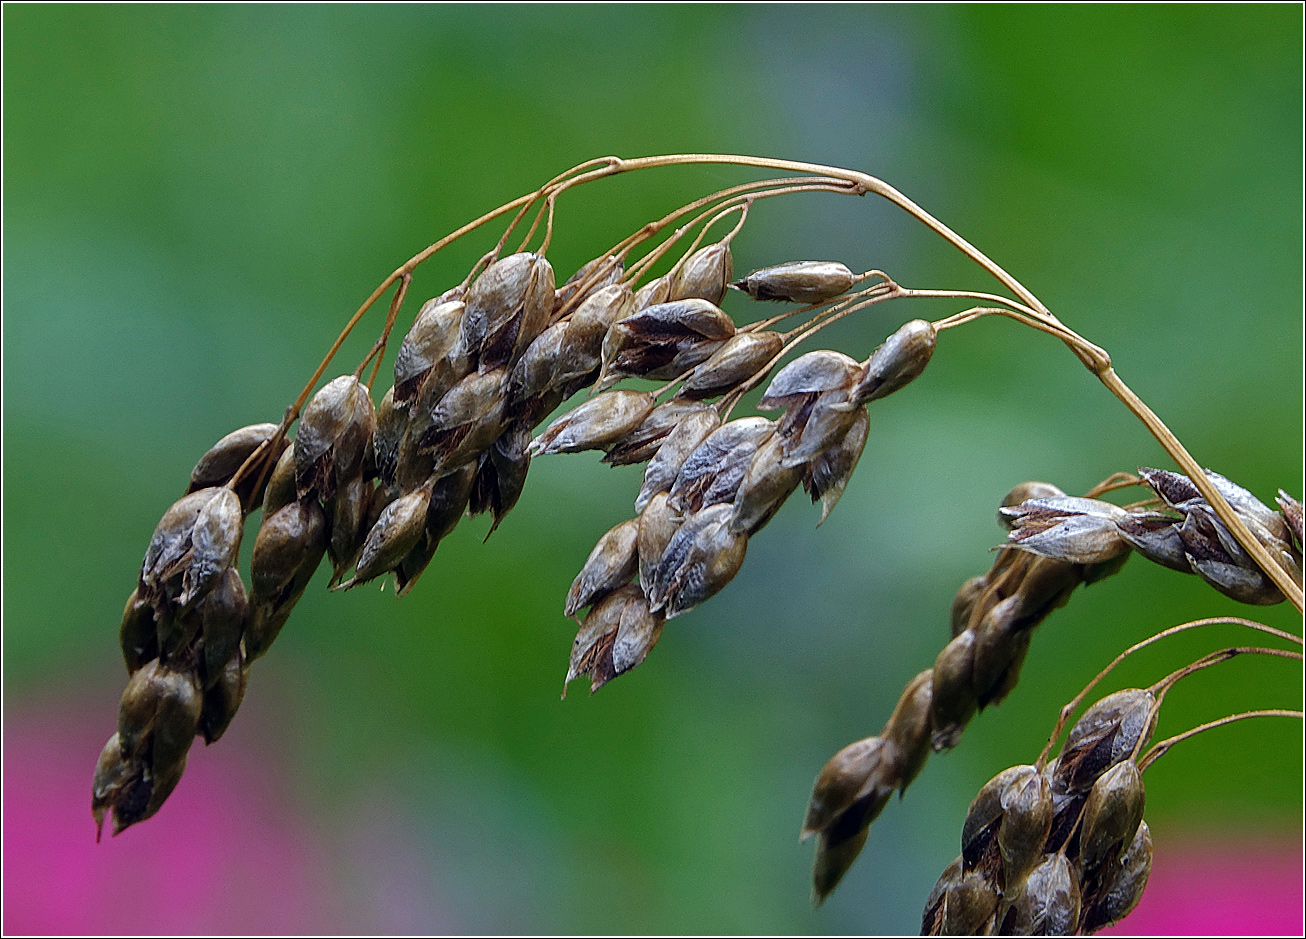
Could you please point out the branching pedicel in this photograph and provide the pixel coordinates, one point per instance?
(1052, 847)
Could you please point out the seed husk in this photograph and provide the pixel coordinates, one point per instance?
(953, 703)
(705, 274)
(896, 363)
(222, 699)
(398, 530)
(663, 341)
(1047, 903)
(332, 438)
(224, 458)
(674, 449)
(287, 551)
(798, 281)
(713, 471)
(1121, 894)
(501, 475)
(738, 360)
(1112, 814)
(138, 636)
(432, 340)
(281, 489)
(507, 307)
(658, 522)
(598, 422)
(449, 498)
(654, 292)
(1107, 733)
(642, 443)
(612, 564)
(766, 484)
(964, 602)
(465, 422)
(701, 558)
(826, 476)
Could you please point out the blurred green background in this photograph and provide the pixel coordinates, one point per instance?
(197, 197)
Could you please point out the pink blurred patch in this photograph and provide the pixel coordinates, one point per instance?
(225, 855)
(1221, 888)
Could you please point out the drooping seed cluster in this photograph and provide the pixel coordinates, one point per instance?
(1189, 537)
(1061, 542)
(711, 485)
(181, 636)
(376, 488)
(993, 620)
(1061, 849)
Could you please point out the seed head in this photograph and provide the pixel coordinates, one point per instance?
(333, 433)
(798, 281)
(896, 363)
(507, 307)
(598, 422)
(701, 558)
(611, 564)
(705, 274)
(224, 458)
(738, 360)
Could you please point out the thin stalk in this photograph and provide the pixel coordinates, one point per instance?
(861, 184)
(1066, 712)
(1161, 749)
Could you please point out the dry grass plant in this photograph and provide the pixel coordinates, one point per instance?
(1054, 847)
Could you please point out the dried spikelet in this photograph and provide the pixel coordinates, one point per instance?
(617, 635)
(217, 466)
(396, 532)
(896, 363)
(450, 495)
(597, 423)
(288, 549)
(705, 274)
(739, 359)
(507, 307)
(612, 564)
(701, 558)
(663, 341)
(642, 443)
(765, 486)
(332, 438)
(798, 281)
(695, 425)
(428, 354)
(713, 471)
